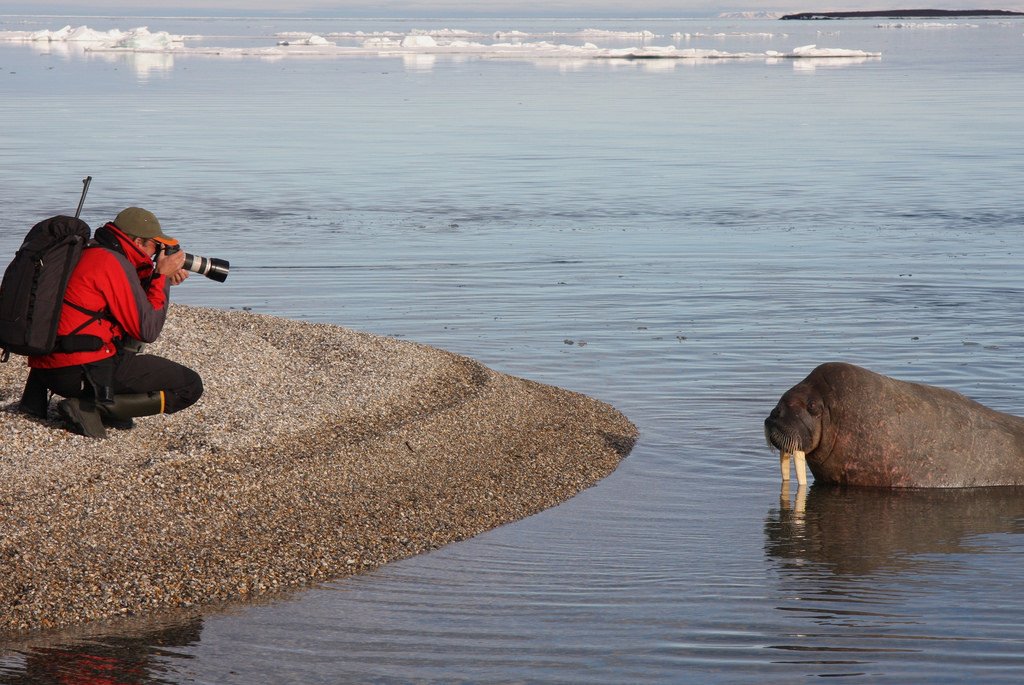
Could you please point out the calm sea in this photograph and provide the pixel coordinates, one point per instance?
(682, 240)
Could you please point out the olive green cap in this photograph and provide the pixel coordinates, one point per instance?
(140, 223)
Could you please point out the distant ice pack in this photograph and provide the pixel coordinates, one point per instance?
(505, 44)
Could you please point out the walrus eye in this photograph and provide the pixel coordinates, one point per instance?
(813, 406)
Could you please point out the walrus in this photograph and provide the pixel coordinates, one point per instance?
(858, 427)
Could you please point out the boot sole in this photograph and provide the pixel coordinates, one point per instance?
(78, 421)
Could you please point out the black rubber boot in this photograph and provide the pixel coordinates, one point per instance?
(34, 400)
(82, 417)
(125, 407)
(87, 417)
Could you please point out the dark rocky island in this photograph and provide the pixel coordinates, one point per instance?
(903, 14)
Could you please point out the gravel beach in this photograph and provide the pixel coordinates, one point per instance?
(316, 452)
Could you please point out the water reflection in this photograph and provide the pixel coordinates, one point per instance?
(866, 575)
(419, 62)
(144, 64)
(811, 65)
(64, 49)
(131, 656)
(864, 531)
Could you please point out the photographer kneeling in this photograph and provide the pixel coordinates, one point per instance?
(116, 298)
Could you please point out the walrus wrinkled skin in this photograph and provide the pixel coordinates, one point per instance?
(858, 427)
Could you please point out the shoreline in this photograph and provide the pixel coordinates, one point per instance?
(900, 14)
(315, 453)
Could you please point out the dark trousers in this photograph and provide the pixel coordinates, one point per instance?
(126, 373)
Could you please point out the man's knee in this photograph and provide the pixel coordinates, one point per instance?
(187, 393)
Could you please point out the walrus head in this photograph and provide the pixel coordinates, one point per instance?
(795, 424)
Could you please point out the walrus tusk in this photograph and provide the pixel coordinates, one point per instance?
(799, 507)
(784, 462)
(800, 464)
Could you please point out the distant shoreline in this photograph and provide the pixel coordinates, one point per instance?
(902, 14)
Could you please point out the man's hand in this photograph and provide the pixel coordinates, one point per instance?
(168, 265)
(178, 277)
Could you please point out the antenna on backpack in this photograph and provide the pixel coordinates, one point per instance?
(85, 189)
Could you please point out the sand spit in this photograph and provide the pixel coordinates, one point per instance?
(316, 452)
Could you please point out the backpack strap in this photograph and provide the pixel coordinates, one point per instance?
(93, 316)
(76, 341)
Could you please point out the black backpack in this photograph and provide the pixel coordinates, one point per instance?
(33, 288)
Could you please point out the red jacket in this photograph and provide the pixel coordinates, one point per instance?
(106, 280)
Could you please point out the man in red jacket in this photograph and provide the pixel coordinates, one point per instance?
(116, 298)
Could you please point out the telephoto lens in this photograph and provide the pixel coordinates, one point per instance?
(211, 267)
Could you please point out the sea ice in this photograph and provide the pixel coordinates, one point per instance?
(815, 51)
(134, 39)
(142, 40)
(419, 41)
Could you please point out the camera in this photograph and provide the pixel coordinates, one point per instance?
(211, 267)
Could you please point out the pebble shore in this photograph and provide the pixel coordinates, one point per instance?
(316, 452)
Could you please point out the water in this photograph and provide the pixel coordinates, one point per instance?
(684, 241)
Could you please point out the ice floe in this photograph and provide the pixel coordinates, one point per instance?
(691, 36)
(306, 40)
(133, 39)
(815, 51)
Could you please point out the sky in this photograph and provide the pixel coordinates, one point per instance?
(469, 8)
